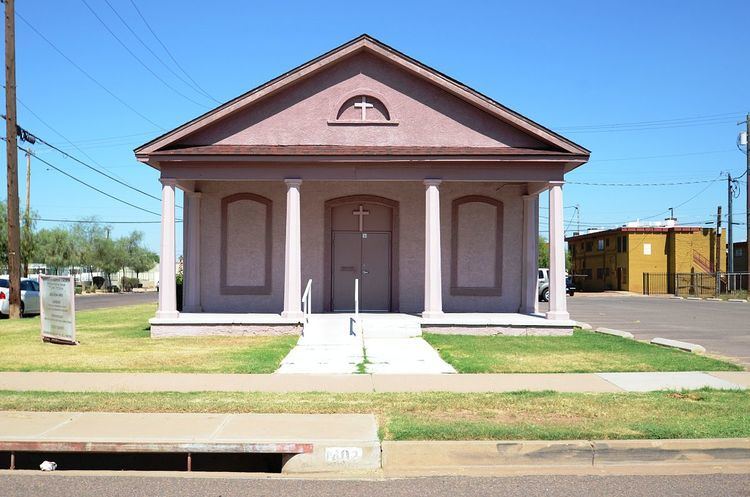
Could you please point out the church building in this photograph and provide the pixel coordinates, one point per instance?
(364, 170)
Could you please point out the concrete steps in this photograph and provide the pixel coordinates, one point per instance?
(329, 344)
(390, 326)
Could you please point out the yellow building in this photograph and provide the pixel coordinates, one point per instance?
(616, 259)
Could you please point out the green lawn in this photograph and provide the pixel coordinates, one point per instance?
(453, 416)
(583, 352)
(117, 339)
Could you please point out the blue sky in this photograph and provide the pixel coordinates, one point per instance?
(575, 67)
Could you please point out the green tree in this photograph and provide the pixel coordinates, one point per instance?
(543, 257)
(108, 256)
(55, 248)
(28, 241)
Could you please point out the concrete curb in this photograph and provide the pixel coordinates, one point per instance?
(744, 301)
(516, 456)
(676, 344)
(584, 326)
(617, 333)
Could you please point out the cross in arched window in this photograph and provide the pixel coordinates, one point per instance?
(364, 105)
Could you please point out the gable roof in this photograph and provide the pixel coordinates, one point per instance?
(363, 43)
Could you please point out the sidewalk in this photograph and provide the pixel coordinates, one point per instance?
(368, 383)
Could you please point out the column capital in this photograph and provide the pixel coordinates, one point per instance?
(168, 181)
(293, 182)
(556, 183)
(432, 182)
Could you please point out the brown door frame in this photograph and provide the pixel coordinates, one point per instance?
(328, 240)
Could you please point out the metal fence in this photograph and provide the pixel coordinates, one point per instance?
(696, 284)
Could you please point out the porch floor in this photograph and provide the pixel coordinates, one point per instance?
(449, 318)
(477, 323)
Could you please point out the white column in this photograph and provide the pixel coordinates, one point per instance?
(529, 270)
(558, 308)
(433, 282)
(191, 219)
(293, 253)
(167, 284)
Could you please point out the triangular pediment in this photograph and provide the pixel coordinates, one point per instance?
(363, 94)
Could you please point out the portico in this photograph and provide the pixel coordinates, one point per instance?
(361, 165)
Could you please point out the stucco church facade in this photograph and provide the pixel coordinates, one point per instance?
(361, 167)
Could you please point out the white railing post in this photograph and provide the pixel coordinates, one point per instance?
(306, 298)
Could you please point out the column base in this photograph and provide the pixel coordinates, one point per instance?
(167, 314)
(192, 308)
(298, 315)
(558, 315)
(433, 315)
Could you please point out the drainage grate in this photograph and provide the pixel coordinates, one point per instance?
(146, 461)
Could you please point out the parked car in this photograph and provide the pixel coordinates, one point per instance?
(29, 296)
(570, 289)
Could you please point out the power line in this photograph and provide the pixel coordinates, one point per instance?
(89, 76)
(145, 66)
(170, 53)
(646, 157)
(95, 221)
(116, 180)
(670, 183)
(28, 151)
(145, 45)
(653, 124)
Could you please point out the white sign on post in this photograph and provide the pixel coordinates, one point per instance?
(58, 310)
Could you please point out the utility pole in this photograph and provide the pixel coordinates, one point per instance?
(14, 231)
(717, 242)
(730, 236)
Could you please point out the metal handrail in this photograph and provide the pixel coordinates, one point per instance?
(306, 308)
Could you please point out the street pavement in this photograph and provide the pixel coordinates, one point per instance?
(103, 300)
(33, 485)
(723, 328)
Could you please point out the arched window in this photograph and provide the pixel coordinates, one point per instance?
(362, 107)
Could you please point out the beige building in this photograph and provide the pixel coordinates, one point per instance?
(617, 259)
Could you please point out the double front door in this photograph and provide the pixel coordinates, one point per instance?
(361, 254)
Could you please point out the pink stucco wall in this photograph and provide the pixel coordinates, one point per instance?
(410, 196)
(426, 114)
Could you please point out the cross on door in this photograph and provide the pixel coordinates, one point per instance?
(364, 105)
(361, 213)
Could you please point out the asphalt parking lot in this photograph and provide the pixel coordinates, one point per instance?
(103, 300)
(723, 328)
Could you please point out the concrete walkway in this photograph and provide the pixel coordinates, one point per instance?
(367, 383)
(375, 343)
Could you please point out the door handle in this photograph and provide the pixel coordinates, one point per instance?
(365, 271)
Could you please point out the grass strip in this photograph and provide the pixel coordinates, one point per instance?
(117, 340)
(452, 416)
(583, 352)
